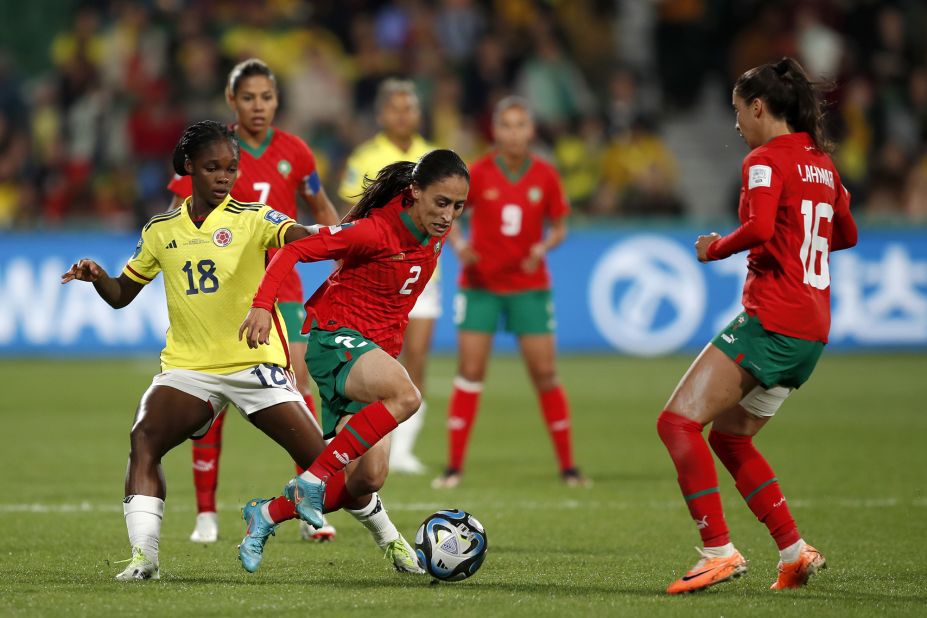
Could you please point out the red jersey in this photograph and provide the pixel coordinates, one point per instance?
(793, 212)
(507, 217)
(386, 262)
(270, 174)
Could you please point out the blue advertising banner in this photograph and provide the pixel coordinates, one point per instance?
(631, 291)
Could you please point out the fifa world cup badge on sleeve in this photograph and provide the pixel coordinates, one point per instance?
(275, 216)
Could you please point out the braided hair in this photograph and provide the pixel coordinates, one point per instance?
(396, 178)
(789, 94)
(196, 138)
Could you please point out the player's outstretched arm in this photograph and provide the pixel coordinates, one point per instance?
(117, 292)
(296, 232)
(256, 328)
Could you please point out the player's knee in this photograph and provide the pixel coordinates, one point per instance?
(367, 480)
(472, 372)
(143, 439)
(407, 400)
(544, 379)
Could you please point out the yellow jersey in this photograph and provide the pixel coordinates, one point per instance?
(210, 276)
(372, 156)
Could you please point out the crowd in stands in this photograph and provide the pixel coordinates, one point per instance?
(85, 138)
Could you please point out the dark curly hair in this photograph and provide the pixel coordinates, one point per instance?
(196, 138)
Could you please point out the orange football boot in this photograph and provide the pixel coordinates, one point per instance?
(796, 574)
(709, 571)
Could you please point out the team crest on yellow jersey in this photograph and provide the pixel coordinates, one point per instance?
(222, 237)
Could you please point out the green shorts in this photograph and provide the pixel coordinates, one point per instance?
(520, 313)
(773, 359)
(330, 356)
(294, 314)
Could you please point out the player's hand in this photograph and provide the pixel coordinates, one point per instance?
(465, 254)
(256, 327)
(535, 255)
(83, 270)
(702, 244)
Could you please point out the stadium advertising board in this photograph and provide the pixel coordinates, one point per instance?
(631, 291)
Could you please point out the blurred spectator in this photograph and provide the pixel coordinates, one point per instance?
(578, 155)
(125, 76)
(555, 87)
(638, 175)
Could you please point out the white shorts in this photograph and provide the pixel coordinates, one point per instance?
(765, 402)
(250, 390)
(428, 305)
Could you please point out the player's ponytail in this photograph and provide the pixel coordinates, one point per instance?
(397, 178)
(790, 95)
(196, 138)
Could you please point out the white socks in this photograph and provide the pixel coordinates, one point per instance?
(310, 477)
(402, 439)
(721, 551)
(143, 521)
(787, 555)
(374, 518)
(792, 552)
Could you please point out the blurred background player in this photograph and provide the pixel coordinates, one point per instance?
(794, 211)
(399, 116)
(275, 166)
(388, 248)
(505, 282)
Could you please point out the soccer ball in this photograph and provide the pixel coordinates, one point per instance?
(451, 545)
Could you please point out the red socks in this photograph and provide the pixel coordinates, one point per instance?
(364, 430)
(696, 474)
(206, 451)
(461, 412)
(310, 403)
(557, 417)
(336, 496)
(757, 483)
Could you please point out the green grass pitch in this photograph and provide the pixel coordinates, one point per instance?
(850, 450)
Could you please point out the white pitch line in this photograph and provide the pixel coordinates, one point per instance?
(186, 506)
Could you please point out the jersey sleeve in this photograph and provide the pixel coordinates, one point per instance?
(309, 180)
(557, 204)
(272, 226)
(762, 183)
(143, 266)
(335, 242)
(845, 234)
(181, 186)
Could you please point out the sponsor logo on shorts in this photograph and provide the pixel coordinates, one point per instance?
(222, 237)
(728, 338)
(398, 257)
